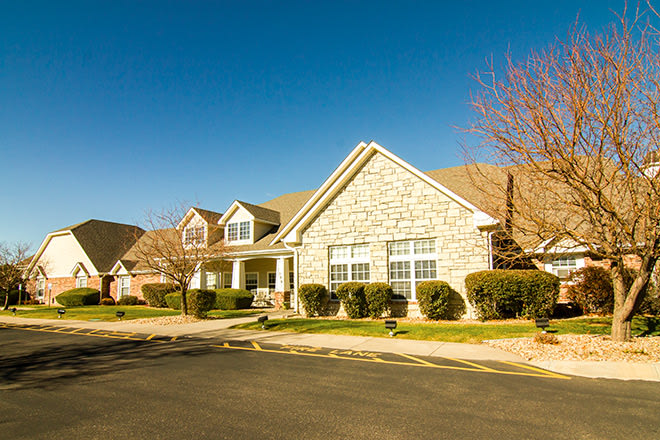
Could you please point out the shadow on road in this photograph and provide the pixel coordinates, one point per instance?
(40, 366)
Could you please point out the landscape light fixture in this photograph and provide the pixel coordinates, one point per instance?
(262, 320)
(13, 311)
(60, 312)
(390, 324)
(543, 323)
(120, 314)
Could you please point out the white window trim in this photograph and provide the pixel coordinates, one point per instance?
(194, 239)
(550, 267)
(41, 287)
(80, 279)
(224, 284)
(349, 262)
(238, 239)
(412, 257)
(121, 285)
(251, 273)
(274, 274)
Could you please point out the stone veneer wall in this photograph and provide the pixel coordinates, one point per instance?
(385, 202)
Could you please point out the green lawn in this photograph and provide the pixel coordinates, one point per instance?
(453, 332)
(107, 313)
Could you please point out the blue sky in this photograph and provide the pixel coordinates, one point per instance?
(109, 108)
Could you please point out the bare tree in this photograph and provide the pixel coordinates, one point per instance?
(175, 252)
(12, 267)
(576, 129)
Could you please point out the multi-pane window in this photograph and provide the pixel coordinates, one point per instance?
(251, 281)
(124, 286)
(81, 281)
(563, 266)
(411, 262)
(226, 280)
(238, 231)
(194, 235)
(292, 281)
(272, 280)
(41, 287)
(211, 280)
(348, 263)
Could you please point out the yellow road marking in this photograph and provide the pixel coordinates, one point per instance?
(173, 339)
(77, 330)
(255, 345)
(150, 336)
(481, 369)
(529, 367)
(421, 361)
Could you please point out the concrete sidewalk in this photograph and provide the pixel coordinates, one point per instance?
(219, 328)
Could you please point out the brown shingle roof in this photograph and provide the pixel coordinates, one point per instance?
(210, 217)
(104, 242)
(261, 213)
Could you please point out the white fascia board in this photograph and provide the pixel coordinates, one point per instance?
(231, 211)
(346, 171)
(118, 267)
(269, 252)
(79, 266)
(186, 218)
(320, 192)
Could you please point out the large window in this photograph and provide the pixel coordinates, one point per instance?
(563, 266)
(238, 231)
(124, 286)
(251, 281)
(226, 280)
(272, 280)
(411, 262)
(211, 280)
(194, 235)
(348, 263)
(41, 287)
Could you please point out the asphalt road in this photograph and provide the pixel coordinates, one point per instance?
(74, 386)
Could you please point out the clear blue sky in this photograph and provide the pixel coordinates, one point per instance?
(108, 108)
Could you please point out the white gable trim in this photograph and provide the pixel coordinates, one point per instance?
(290, 233)
(45, 243)
(235, 206)
(77, 268)
(189, 215)
(118, 268)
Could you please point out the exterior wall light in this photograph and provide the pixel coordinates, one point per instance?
(543, 323)
(262, 320)
(391, 325)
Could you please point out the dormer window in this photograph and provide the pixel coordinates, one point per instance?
(195, 235)
(238, 231)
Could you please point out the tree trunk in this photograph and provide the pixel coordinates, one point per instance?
(184, 304)
(621, 327)
(6, 306)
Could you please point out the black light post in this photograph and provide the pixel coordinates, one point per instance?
(391, 325)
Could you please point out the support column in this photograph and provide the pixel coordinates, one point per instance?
(238, 275)
(282, 275)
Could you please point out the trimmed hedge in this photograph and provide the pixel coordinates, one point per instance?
(154, 293)
(500, 294)
(128, 300)
(81, 296)
(233, 299)
(13, 297)
(591, 289)
(352, 297)
(378, 296)
(173, 300)
(109, 301)
(200, 302)
(433, 299)
(314, 298)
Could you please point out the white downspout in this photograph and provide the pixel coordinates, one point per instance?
(294, 293)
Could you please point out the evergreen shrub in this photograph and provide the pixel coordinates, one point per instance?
(314, 298)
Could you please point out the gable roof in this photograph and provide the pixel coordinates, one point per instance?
(345, 171)
(286, 206)
(103, 242)
(260, 213)
(211, 217)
